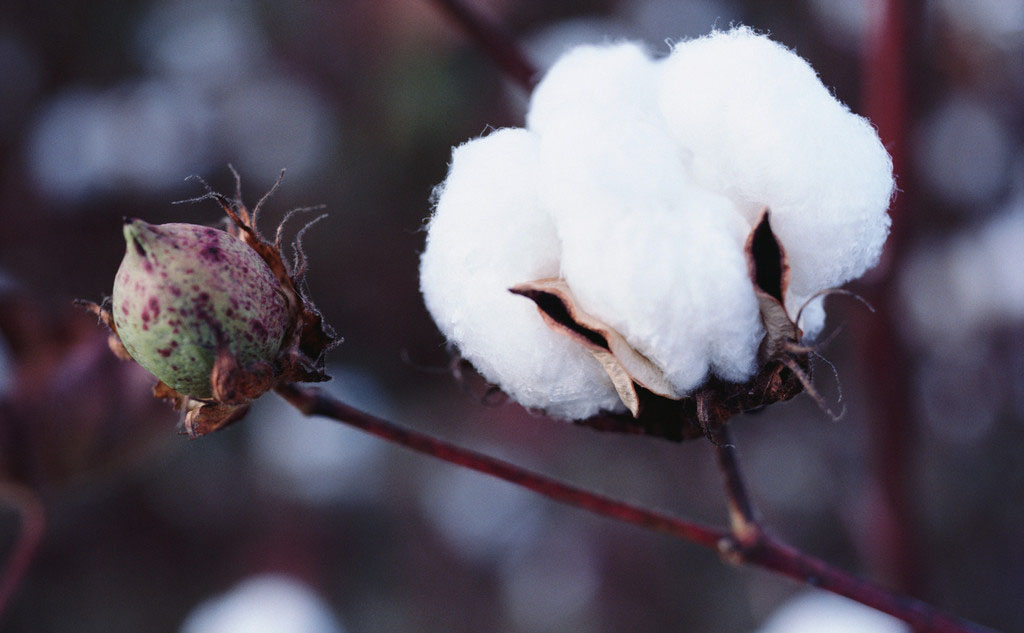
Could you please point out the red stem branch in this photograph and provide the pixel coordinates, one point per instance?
(892, 548)
(503, 49)
(33, 521)
(749, 546)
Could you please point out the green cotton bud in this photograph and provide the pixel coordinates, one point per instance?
(184, 293)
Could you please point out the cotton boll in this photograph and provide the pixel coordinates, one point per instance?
(488, 233)
(645, 250)
(764, 130)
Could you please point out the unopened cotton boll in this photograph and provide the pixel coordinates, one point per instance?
(764, 130)
(488, 234)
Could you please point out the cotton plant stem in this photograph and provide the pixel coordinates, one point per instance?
(742, 515)
(33, 522)
(501, 48)
(312, 401)
(750, 545)
(892, 433)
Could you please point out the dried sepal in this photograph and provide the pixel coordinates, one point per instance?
(203, 418)
(626, 367)
(113, 341)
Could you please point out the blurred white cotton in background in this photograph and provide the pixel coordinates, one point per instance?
(207, 42)
(1001, 22)
(820, 612)
(317, 460)
(6, 370)
(548, 44)
(959, 393)
(968, 284)
(275, 123)
(657, 21)
(211, 96)
(848, 22)
(963, 152)
(138, 135)
(481, 518)
(551, 583)
(268, 603)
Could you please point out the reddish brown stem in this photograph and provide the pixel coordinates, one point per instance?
(892, 549)
(742, 516)
(33, 521)
(495, 42)
(752, 546)
(312, 401)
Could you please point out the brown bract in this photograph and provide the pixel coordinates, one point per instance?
(655, 409)
(304, 345)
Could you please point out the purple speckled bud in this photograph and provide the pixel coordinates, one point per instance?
(183, 291)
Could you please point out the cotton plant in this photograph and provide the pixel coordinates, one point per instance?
(676, 222)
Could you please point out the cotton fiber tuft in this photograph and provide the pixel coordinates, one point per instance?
(637, 181)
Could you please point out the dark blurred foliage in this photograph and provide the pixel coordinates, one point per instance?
(108, 106)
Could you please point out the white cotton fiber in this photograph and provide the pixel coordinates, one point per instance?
(633, 224)
(488, 233)
(638, 181)
(764, 130)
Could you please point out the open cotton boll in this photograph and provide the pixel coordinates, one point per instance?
(764, 130)
(638, 182)
(644, 249)
(488, 233)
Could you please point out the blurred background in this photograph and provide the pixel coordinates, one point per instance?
(280, 523)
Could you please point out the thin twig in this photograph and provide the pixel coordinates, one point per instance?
(758, 549)
(33, 522)
(742, 515)
(889, 72)
(312, 401)
(504, 50)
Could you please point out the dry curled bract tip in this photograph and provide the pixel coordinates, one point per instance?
(218, 317)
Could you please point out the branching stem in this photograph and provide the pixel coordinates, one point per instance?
(501, 48)
(746, 544)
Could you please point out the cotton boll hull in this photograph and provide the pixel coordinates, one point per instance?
(488, 234)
